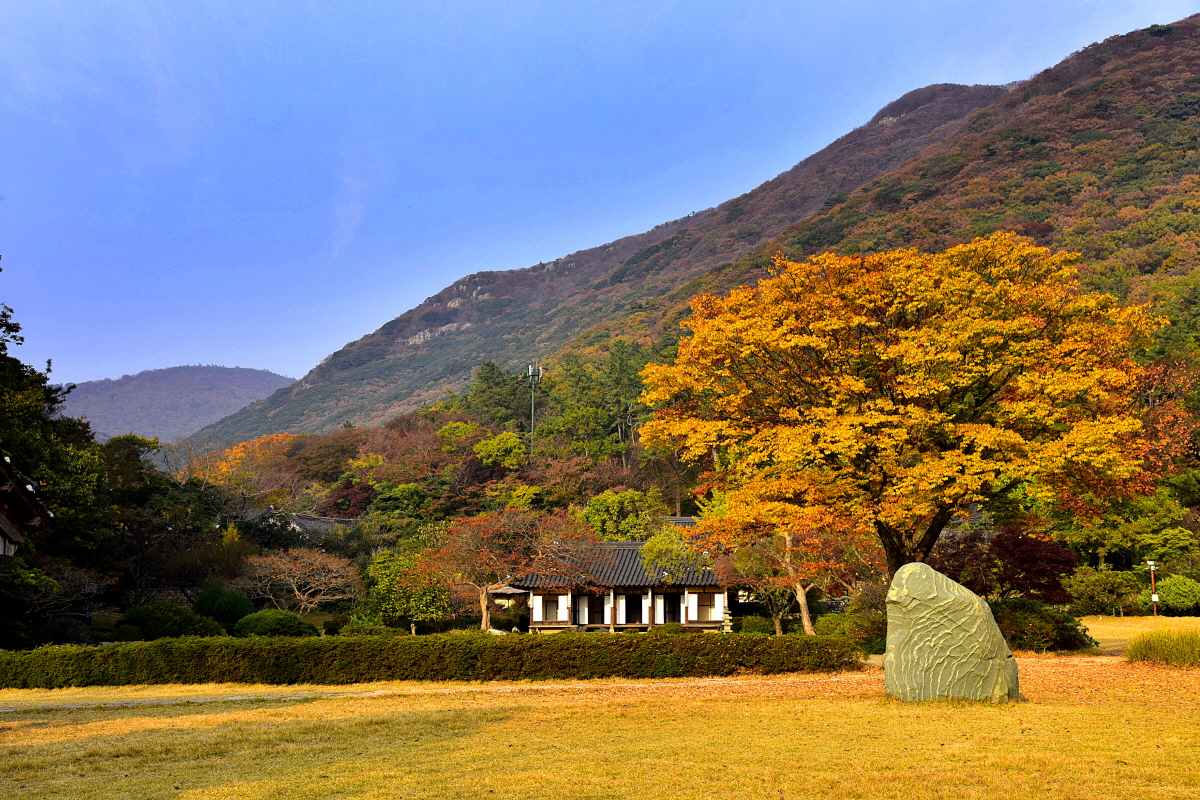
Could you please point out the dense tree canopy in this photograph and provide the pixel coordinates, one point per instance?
(901, 388)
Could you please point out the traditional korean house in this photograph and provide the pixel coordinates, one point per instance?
(621, 595)
(21, 511)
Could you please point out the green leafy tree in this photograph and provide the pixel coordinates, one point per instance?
(1149, 527)
(404, 592)
(628, 516)
(1102, 591)
(504, 450)
(667, 556)
(408, 500)
(498, 397)
(60, 455)
(621, 385)
(167, 529)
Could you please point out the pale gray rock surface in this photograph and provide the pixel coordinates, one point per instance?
(943, 642)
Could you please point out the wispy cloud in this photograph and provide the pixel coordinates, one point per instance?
(364, 167)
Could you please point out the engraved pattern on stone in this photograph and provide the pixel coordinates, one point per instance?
(943, 642)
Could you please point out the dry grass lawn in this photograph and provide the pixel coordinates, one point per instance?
(1115, 633)
(1095, 727)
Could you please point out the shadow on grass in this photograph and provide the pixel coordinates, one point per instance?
(158, 762)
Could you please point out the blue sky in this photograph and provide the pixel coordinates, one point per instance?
(257, 183)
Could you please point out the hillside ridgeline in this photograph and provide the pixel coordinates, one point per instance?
(169, 403)
(1099, 154)
(518, 315)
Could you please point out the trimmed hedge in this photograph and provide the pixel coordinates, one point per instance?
(273, 622)
(424, 658)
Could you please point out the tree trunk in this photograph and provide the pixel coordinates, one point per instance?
(676, 471)
(778, 620)
(412, 626)
(805, 616)
(902, 548)
(485, 613)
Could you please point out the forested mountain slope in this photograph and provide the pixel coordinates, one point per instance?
(1097, 155)
(518, 315)
(168, 403)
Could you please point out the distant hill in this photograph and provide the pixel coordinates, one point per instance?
(521, 314)
(169, 403)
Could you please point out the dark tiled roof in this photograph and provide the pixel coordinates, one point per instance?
(306, 523)
(619, 565)
(21, 510)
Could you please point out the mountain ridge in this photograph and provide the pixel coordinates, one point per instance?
(168, 403)
(517, 315)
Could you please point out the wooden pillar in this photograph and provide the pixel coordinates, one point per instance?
(612, 618)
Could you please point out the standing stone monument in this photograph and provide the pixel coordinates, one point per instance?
(942, 641)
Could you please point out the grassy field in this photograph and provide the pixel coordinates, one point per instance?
(1094, 727)
(1115, 633)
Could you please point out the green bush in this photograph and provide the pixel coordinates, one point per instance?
(1102, 592)
(670, 629)
(754, 625)
(165, 620)
(866, 627)
(359, 626)
(341, 659)
(127, 633)
(864, 620)
(1177, 595)
(273, 622)
(224, 605)
(1171, 648)
(1031, 625)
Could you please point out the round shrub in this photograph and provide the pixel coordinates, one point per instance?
(223, 605)
(1102, 591)
(669, 629)
(839, 624)
(1032, 625)
(164, 621)
(1179, 594)
(273, 622)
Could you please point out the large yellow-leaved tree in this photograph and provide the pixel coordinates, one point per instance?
(895, 390)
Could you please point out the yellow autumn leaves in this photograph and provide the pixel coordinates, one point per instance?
(898, 388)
